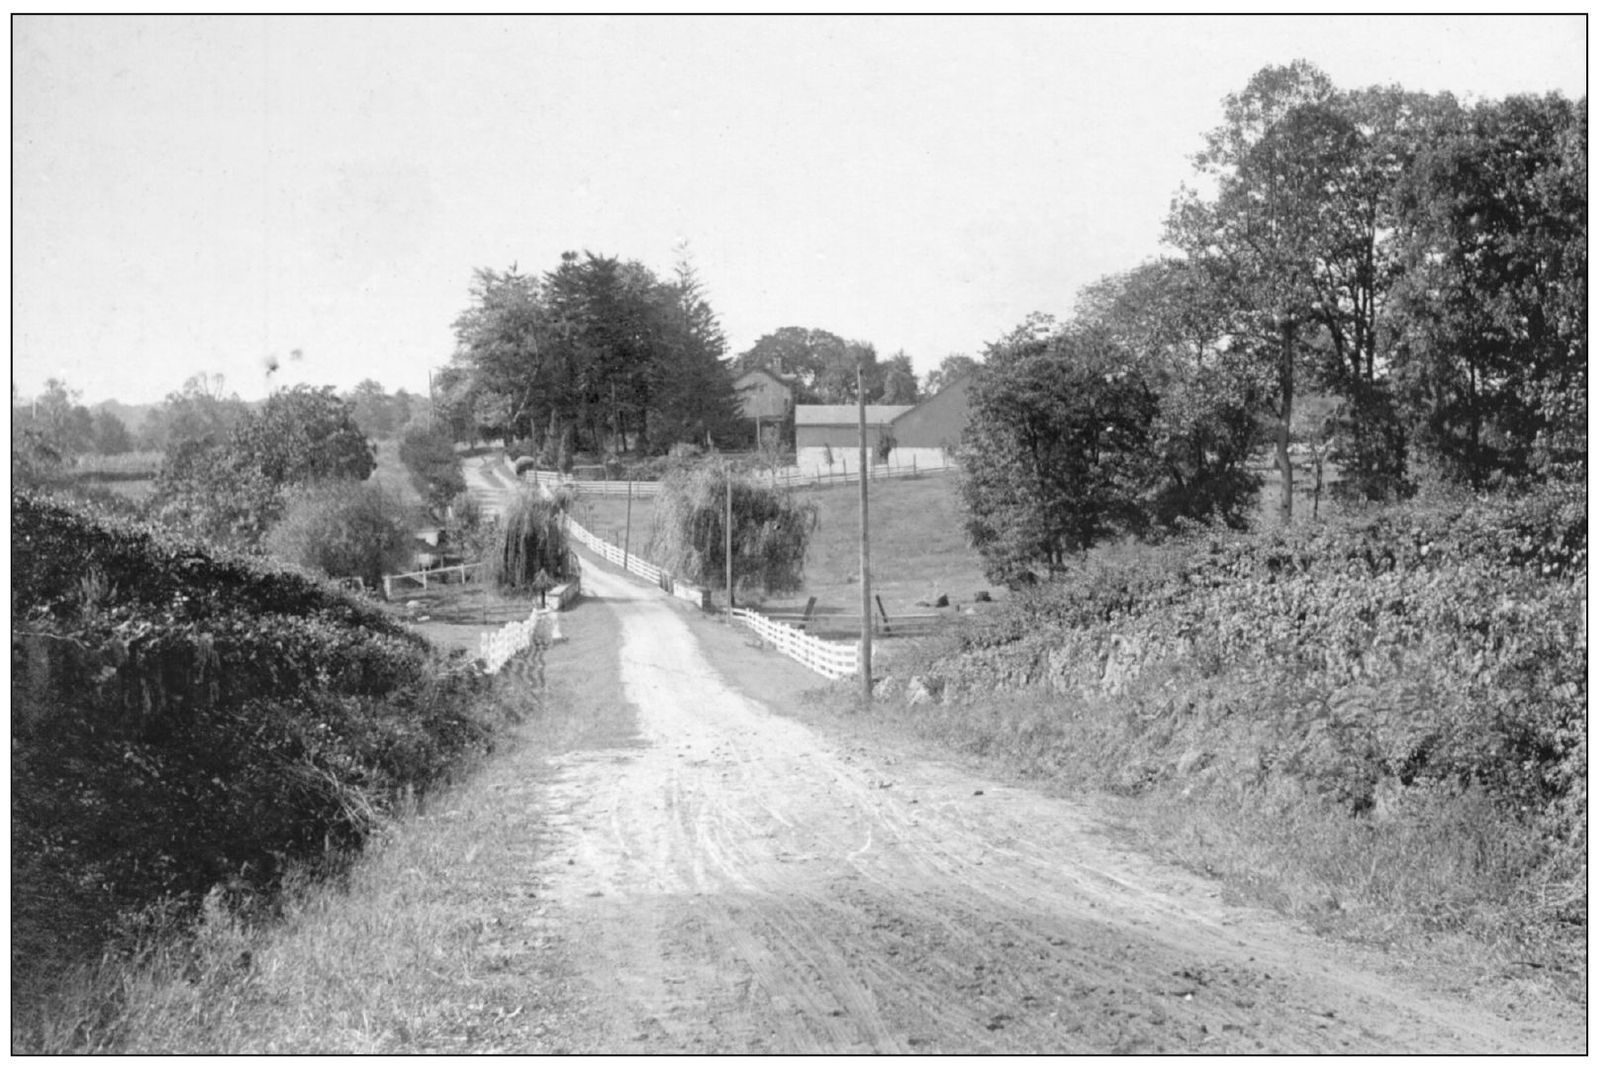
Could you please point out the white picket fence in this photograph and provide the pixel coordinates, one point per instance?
(591, 488)
(500, 646)
(788, 476)
(795, 476)
(820, 656)
(616, 556)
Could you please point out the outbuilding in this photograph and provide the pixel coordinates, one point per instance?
(926, 434)
(826, 435)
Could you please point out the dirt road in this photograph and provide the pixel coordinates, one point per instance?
(730, 882)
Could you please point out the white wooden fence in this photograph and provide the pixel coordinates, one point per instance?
(789, 477)
(616, 556)
(501, 646)
(591, 488)
(820, 656)
(795, 476)
(445, 574)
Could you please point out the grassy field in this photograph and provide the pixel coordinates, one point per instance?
(133, 474)
(917, 549)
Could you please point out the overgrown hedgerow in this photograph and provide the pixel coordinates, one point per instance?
(184, 718)
(1387, 665)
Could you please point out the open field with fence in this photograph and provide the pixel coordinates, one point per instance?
(918, 553)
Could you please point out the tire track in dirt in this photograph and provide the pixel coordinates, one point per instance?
(732, 883)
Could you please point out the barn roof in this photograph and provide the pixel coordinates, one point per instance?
(845, 414)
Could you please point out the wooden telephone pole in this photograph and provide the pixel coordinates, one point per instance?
(728, 532)
(865, 647)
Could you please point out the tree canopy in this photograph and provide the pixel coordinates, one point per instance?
(1421, 258)
(598, 353)
(824, 367)
(1055, 453)
(235, 488)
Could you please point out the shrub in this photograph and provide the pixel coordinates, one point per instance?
(184, 717)
(771, 530)
(433, 465)
(537, 552)
(1427, 650)
(344, 530)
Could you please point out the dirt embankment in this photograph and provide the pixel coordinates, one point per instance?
(728, 881)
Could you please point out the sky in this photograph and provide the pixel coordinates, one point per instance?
(208, 195)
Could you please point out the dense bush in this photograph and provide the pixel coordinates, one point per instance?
(343, 530)
(183, 718)
(537, 552)
(689, 530)
(433, 464)
(1429, 651)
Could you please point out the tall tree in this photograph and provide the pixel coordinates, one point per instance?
(433, 464)
(598, 351)
(952, 368)
(234, 490)
(109, 436)
(375, 412)
(898, 382)
(693, 395)
(1168, 323)
(810, 356)
(1262, 235)
(1055, 452)
(304, 434)
(59, 418)
(507, 347)
(200, 410)
(1494, 347)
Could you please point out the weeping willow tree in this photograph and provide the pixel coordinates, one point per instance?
(537, 554)
(771, 531)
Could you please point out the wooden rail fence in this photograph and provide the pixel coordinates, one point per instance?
(442, 573)
(820, 656)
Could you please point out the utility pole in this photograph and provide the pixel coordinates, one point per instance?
(627, 535)
(865, 647)
(728, 531)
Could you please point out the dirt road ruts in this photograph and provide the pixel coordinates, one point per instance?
(734, 883)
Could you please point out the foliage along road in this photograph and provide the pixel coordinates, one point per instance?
(731, 882)
(720, 879)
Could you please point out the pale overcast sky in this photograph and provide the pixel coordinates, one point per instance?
(199, 194)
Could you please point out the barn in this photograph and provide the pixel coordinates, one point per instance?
(826, 435)
(925, 435)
